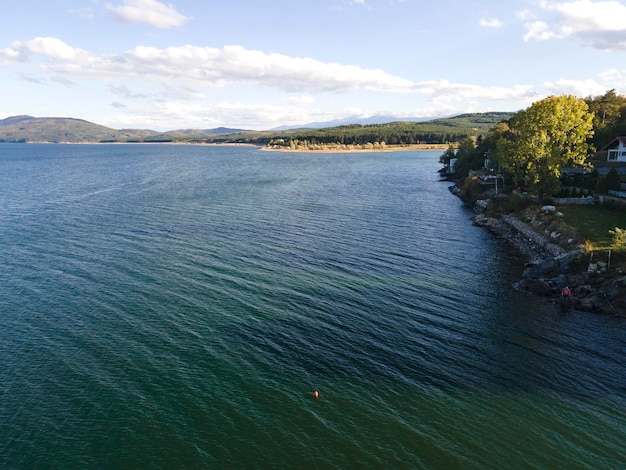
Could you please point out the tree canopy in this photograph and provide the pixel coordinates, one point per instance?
(536, 143)
(549, 135)
(609, 118)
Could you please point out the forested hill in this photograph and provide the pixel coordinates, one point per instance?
(452, 129)
(436, 131)
(55, 129)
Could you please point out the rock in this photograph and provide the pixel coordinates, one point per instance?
(582, 290)
(480, 205)
(616, 289)
(548, 209)
(535, 286)
(557, 283)
(454, 189)
(547, 266)
(484, 221)
(574, 261)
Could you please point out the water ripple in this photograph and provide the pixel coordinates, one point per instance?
(175, 306)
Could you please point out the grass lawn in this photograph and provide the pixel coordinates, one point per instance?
(594, 223)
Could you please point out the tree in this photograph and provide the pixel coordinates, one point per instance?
(549, 135)
(467, 157)
(611, 181)
(608, 121)
(448, 155)
(497, 141)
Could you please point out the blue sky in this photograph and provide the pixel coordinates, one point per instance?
(260, 64)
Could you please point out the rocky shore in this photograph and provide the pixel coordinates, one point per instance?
(597, 287)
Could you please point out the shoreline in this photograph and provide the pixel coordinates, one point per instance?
(214, 144)
(596, 288)
(350, 149)
(265, 148)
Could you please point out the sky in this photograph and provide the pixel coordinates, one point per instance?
(260, 64)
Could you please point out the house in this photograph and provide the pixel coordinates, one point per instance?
(616, 150)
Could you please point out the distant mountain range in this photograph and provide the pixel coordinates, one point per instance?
(71, 130)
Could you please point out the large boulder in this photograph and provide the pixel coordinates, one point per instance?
(535, 286)
(571, 262)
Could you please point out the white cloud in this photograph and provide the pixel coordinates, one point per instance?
(611, 75)
(194, 66)
(184, 69)
(538, 30)
(51, 48)
(301, 100)
(490, 23)
(171, 84)
(162, 115)
(149, 12)
(581, 88)
(600, 24)
(443, 90)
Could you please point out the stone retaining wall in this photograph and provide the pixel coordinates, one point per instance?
(551, 248)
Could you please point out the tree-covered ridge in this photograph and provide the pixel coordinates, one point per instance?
(52, 129)
(436, 131)
(445, 130)
(71, 130)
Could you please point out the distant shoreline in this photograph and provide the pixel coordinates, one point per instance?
(357, 149)
(213, 144)
(311, 149)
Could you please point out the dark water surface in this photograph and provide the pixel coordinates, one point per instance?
(176, 307)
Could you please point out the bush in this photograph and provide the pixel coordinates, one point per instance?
(619, 239)
(518, 202)
(471, 189)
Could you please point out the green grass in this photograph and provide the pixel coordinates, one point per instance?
(594, 223)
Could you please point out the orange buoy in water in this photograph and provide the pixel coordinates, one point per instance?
(316, 394)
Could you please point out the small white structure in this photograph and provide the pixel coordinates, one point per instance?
(452, 163)
(616, 150)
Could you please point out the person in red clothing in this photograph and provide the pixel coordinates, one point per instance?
(566, 296)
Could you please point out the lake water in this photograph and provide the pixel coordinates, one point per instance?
(171, 306)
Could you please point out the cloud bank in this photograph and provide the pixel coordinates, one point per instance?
(601, 24)
(193, 67)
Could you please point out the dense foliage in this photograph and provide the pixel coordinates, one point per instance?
(532, 147)
(609, 117)
(548, 136)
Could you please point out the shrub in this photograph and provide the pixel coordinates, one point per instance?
(619, 239)
(518, 202)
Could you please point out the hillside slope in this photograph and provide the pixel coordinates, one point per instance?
(32, 129)
(71, 130)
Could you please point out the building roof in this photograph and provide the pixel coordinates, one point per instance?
(615, 142)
